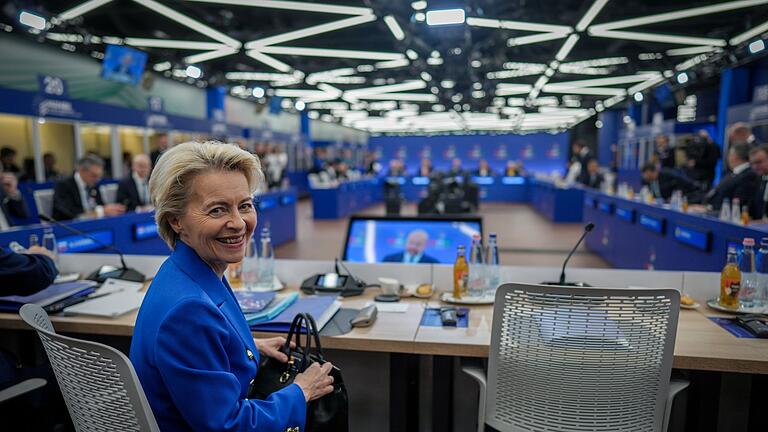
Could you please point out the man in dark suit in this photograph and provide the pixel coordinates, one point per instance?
(79, 194)
(414, 250)
(741, 183)
(758, 160)
(8, 161)
(484, 170)
(133, 191)
(662, 182)
(162, 145)
(12, 206)
(456, 170)
(594, 179)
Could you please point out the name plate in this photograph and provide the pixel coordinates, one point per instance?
(693, 237)
(626, 214)
(145, 230)
(78, 243)
(287, 200)
(605, 207)
(513, 180)
(652, 223)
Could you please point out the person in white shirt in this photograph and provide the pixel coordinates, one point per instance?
(133, 191)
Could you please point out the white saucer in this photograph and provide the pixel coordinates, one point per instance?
(486, 299)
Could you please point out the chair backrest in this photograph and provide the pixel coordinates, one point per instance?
(580, 359)
(108, 193)
(44, 201)
(98, 382)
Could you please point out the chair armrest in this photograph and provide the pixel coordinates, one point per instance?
(675, 387)
(21, 388)
(478, 374)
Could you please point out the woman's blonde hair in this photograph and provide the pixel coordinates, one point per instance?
(169, 185)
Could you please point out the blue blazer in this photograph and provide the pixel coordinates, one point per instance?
(195, 356)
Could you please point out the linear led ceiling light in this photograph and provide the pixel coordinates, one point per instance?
(445, 17)
(176, 44)
(762, 28)
(311, 31)
(269, 61)
(294, 5)
(337, 53)
(30, 19)
(586, 20)
(189, 22)
(81, 9)
(394, 27)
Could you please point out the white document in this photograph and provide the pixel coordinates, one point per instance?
(390, 307)
(110, 306)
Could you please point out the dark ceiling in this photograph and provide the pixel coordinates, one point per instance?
(468, 52)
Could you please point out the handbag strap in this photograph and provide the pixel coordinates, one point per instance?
(312, 327)
(294, 333)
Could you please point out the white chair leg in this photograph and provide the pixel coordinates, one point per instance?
(675, 387)
(478, 374)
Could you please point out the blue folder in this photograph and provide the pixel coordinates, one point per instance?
(317, 306)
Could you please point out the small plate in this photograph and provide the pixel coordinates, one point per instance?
(715, 304)
(486, 299)
(693, 306)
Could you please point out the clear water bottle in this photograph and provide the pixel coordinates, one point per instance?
(725, 210)
(749, 283)
(736, 211)
(477, 275)
(266, 260)
(49, 242)
(249, 268)
(761, 297)
(492, 261)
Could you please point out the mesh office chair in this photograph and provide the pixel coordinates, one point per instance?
(98, 382)
(44, 201)
(579, 359)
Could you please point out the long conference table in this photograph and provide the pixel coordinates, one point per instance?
(396, 339)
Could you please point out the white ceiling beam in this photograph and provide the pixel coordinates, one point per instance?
(175, 44)
(386, 89)
(749, 34)
(689, 51)
(655, 37)
(337, 53)
(517, 25)
(258, 76)
(645, 85)
(394, 27)
(624, 79)
(415, 97)
(269, 61)
(81, 9)
(685, 13)
(537, 38)
(189, 22)
(597, 91)
(568, 45)
(211, 55)
(592, 12)
(294, 5)
(310, 31)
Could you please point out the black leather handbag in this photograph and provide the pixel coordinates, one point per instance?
(330, 413)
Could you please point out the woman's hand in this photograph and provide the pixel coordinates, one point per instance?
(315, 381)
(271, 348)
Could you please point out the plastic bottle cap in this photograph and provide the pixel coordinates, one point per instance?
(748, 242)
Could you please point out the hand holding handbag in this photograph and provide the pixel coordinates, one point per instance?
(330, 413)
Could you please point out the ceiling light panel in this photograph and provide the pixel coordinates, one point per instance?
(334, 53)
(189, 22)
(310, 31)
(294, 5)
(592, 12)
(394, 27)
(81, 9)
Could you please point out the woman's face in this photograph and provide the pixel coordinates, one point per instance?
(219, 218)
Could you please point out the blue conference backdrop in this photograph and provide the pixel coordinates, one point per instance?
(375, 241)
(540, 153)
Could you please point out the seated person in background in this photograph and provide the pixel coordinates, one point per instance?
(662, 182)
(702, 155)
(425, 169)
(414, 250)
(79, 194)
(741, 183)
(456, 169)
(665, 156)
(133, 191)
(594, 179)
(396, 168)
(484, 170)
(12, 205)
(162, 146)
(8, 161)
(49, 163)
(758, 160)
(513, 169)
(342, 170)
(740, 132)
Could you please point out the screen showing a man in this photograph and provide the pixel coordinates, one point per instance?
(414, 250)
(123, 64)
(408, 240)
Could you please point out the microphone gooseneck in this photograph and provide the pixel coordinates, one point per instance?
(587, 229)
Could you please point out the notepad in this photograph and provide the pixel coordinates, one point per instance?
(110, 306)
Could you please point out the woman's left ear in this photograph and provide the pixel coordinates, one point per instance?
(175, 224)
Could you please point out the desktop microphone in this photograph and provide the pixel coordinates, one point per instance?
(104, 272)
(587, 229)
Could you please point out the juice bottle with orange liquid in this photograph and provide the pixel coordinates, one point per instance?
(730, 281)
(460, 274)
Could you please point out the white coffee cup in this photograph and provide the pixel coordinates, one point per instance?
(389, 286)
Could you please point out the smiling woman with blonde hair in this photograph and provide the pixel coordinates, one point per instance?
(192, 348)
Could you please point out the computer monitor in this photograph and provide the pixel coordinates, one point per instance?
(417, 240)
(123, 64)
